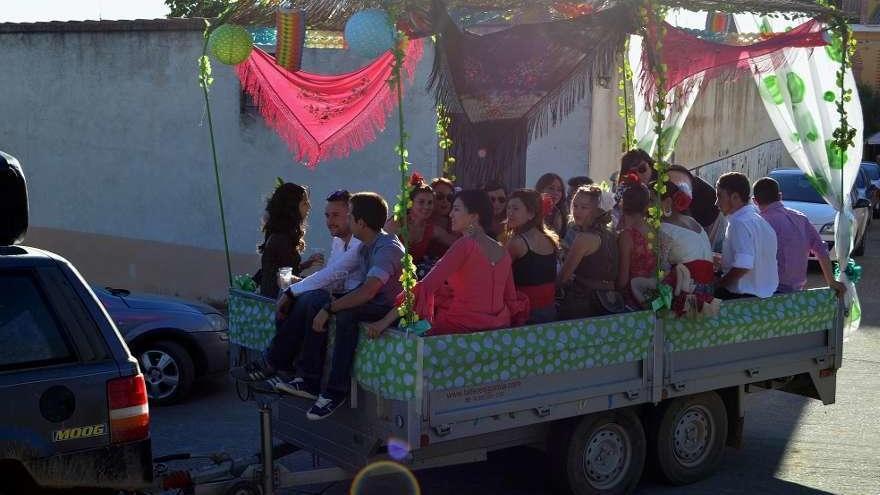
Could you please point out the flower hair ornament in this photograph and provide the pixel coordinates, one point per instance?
(547, 204)
(416, 179)
(681, 201)
(627, 181)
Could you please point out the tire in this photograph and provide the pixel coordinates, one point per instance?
(604, 453)
(168, 371)
(686, 437)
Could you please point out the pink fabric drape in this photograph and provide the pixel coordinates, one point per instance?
(321, 116)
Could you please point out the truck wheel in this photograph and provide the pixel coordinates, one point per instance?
(168, 371)
(686, 437)
(604, 454)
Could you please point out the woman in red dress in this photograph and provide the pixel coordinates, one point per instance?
(421, 227)
(636, 258)
(471, 288)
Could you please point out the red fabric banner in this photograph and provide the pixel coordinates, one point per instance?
(686, 55)
(321, 116)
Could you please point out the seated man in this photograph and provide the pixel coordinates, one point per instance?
(796, 239)
(748, 257)
(342, 274)
(381, 255)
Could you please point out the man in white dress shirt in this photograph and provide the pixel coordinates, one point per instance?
(342, 273)
(748, 258)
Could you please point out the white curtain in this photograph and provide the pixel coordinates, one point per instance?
(679, 102)
(801, 96)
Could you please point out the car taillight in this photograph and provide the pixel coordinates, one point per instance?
(129, 411)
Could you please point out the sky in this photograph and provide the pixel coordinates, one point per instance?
(79, 10)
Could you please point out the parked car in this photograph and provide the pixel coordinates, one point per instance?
(872, 171)
(175, 341)
(799, 194)
(75, 412)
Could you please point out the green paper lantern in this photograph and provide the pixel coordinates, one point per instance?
(230, 44)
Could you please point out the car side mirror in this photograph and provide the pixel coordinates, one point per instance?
(862, 203)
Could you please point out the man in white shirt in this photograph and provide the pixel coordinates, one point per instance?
(748, 258)
(343, 273)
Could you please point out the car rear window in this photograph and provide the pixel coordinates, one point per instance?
(796, 187)
(872, 169)
(30, 334)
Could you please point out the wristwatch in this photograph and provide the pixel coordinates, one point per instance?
(327, 307)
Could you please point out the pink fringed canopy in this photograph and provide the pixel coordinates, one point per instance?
(686, 55)
(323, 116)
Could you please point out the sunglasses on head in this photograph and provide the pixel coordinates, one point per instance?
(498, 199)
(339, 195)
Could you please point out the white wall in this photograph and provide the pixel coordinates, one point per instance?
(109, 123)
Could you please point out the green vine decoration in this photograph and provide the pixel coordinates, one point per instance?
(408, 278)
(624, 103)
(205, 82)
(444, 120)
(652, 15)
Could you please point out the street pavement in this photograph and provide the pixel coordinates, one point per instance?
(792, 445)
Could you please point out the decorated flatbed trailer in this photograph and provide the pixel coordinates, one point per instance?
(602, 395)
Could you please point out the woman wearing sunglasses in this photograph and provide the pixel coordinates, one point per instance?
(498, 196)
(444, 195)
(637, 162)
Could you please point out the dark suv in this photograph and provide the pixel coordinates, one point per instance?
(74, 405)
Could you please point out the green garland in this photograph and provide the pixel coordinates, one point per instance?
(444, 142)
(841, 49)
(408, 269)
(652, 15)
(625, 104)
(205, 82)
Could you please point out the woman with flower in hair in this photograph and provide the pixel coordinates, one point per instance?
(421, 228)
(590, 270)
(534, 249)
(419, 221)
(552, 186)
(686, 254)
(636, 258)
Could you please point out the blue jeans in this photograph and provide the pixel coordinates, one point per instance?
(347, 331)
(291, 331)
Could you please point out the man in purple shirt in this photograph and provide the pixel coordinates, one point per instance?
(796, 237)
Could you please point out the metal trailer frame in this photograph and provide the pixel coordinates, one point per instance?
(442, 429)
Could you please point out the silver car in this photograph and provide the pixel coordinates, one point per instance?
(798, 194)
(175, 341)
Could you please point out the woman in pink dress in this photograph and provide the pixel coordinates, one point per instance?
(471, 288)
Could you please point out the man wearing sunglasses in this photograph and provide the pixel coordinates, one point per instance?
(342, 274)
(498, 196)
